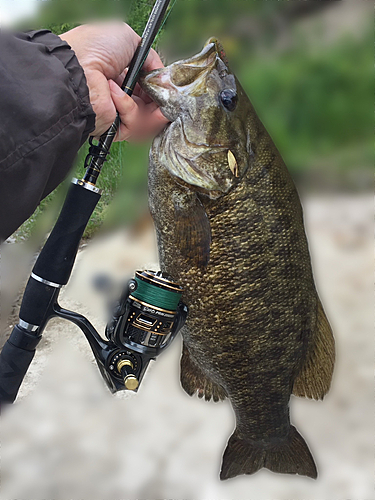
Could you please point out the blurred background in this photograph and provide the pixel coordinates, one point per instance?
(307, 67)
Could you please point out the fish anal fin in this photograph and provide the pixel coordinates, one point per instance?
(314, 378)
(194, 380)
(193, 230)
(288, 456)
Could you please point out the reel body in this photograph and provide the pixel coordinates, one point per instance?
(142, 327)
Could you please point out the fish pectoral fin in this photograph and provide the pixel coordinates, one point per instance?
(288, 456)
(314, 378)
(193, 230)
(194, 380)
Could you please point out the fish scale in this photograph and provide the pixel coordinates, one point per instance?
(230, 230)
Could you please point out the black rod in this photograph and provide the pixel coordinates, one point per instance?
(98, 153)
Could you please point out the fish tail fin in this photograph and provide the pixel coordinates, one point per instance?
(289, 456)
(315, 376)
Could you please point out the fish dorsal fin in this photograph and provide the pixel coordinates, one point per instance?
(315, 376)
(193, 230)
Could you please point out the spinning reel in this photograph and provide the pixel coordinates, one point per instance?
(145, 320)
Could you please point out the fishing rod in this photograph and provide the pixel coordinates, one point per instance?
(149, 312)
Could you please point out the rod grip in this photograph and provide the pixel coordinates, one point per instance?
(57, 257)
(36, 301)
(15, 359)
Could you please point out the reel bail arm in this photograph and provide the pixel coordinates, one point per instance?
(123, 358)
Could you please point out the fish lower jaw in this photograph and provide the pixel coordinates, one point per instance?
(209, 193)
(197, 181)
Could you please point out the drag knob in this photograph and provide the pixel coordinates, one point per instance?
(125, 368)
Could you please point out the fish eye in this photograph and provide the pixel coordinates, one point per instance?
(229, 98)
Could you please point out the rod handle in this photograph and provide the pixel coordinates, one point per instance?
(15, 359)
(55, 262)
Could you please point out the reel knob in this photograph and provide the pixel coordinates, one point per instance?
(125, 368)
(131, 382)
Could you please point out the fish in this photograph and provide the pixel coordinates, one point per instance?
(230, 231)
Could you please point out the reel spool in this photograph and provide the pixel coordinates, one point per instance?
(152, 309)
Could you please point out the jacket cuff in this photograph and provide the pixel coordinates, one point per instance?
(62, 50)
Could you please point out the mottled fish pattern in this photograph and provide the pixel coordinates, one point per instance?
(230, 230)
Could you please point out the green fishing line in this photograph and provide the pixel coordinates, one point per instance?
(156, 296)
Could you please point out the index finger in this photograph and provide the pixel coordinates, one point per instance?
(139, 92)
(153, 61)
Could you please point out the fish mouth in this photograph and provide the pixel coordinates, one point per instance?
(172, 88)
(186, 76)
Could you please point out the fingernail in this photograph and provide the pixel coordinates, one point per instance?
(115, 88)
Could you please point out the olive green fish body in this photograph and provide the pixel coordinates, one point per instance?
(230, 230)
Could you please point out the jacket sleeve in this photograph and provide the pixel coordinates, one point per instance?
(45, 116)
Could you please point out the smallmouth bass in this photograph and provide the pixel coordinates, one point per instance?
(230, 230)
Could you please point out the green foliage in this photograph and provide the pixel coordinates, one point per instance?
(60, 16)
(74, 13)
(314, 103)
(58, 29)
(123, 182)
(139, 14)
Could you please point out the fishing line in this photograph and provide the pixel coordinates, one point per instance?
(156, 296)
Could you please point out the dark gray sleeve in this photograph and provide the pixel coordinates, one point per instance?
(45, 116)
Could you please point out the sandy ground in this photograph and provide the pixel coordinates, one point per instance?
(68, 438)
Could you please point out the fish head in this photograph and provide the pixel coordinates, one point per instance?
(206, 145)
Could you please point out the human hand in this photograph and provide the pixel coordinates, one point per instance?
(104, 50)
